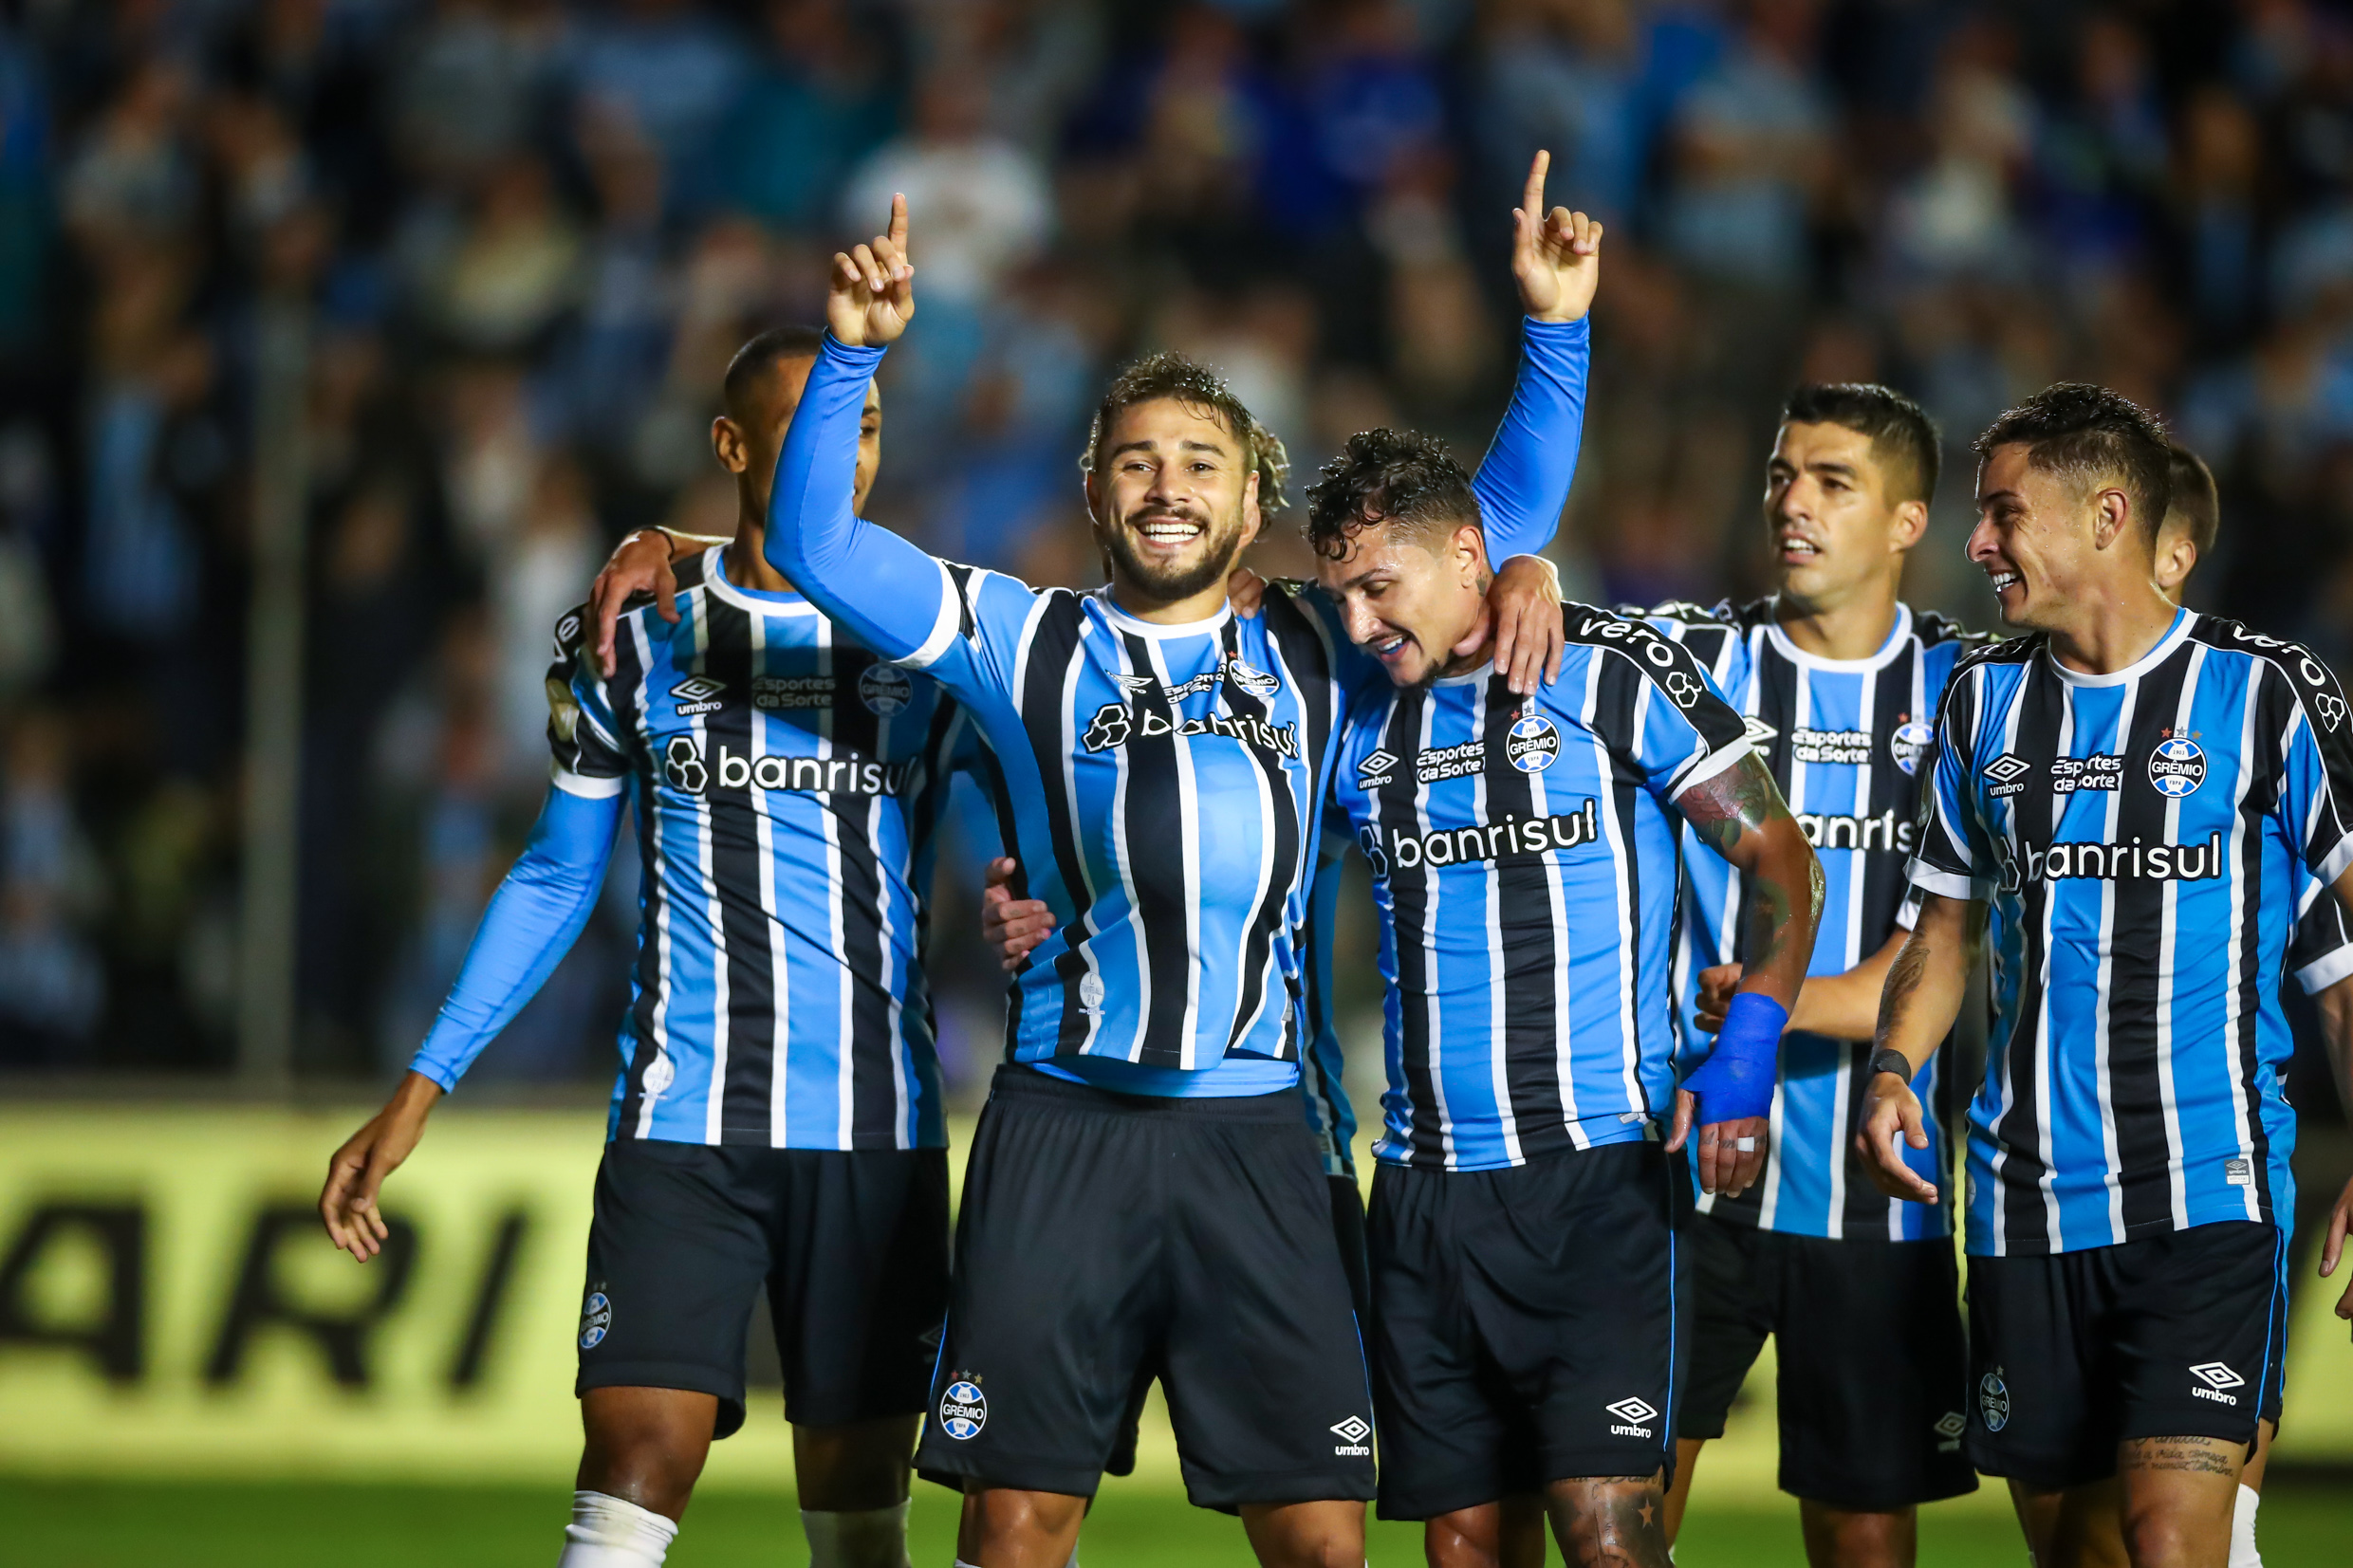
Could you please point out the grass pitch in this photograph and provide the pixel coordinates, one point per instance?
(205, 1524)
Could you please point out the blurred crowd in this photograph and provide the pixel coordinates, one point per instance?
(528, 233)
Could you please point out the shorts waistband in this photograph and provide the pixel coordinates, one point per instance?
(1019, 1081)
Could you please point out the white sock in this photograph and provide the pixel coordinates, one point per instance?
(874, 1537)
(2243, 1553)
(606, 1532)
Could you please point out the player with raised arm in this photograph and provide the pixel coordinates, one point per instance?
(2129, 804)
(777, 1119)
(1144, 1198)
(2321, 959)
(1837, 679)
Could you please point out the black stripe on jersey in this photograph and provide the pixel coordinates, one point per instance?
(1285, 867)
(857, 730)
(1533, 953)
(945, 733)
(1000, 795)
(1155, 826)
(1053, 645)
(2137, 947)
(2041, 711)
(1409, 922)
(746, 934)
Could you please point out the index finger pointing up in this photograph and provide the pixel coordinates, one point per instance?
(1531, 199)
(898, 219)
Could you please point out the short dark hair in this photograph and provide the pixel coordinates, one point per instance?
(1904, 440)
(2085, 432)
(1388, 476)
(753, 361)
(2197, 504)
(1203, 391)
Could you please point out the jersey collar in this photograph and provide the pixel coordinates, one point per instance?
(750, 601)
(1897, 636)
(2172, 638)
(1155, 630)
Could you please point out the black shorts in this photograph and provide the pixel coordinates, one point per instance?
(2175, 1335)
(1873, 1366)
(1525, 1324)
(1106, 1239)
(852, 1245)
(1348, 1230)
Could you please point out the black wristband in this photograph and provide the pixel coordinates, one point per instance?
(1888, 1059)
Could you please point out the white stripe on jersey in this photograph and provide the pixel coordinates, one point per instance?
(1564, 1018)
(1605, 793)
(1067, 710)
(2234, 1021)
(2009, 1088)
(660, 893)
(1430, 961)
(902, 1132)
(1118, 852)
(2168, 920)
(714, 1094)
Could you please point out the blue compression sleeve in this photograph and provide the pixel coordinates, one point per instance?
(1737, 1080)
(534, 918)
(1522, 482)
(887, 592)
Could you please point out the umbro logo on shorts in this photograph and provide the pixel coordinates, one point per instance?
(1949, 1429)
(2216, 1377)
(1352, 1434)
(1634, 1416)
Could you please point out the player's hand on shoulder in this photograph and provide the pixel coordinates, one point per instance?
(1245, 591)
(639, 565)
(872, 295)
(1524, 605)
(1010, 927)
(1556, 255)
(1717, 985)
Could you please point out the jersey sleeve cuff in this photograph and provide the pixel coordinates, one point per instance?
(436, 1071)
(945, 627)
(587, 785)
(1945, 884)
(1714, 762)
(2325, 970)
(2333, 867)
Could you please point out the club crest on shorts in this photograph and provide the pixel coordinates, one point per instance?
(596, 1319)
(1533, 743)
(963, 1410)
(2177, 767)
(885, 689)
(1994, 1401)
(1908, 744)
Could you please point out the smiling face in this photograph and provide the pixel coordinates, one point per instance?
(2053, 545)
(1408, 595)
(1174, 499)
(1835, 530)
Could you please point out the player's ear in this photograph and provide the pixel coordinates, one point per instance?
(1471, 552)
(1911, 523)
(727, 444)
(2112, 517)
(1253, 519)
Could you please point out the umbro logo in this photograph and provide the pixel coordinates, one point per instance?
(1949, 1429)
(1376, 770)
(1352, 1434)
(699, 695)
(2216, 1378)
(1759, 732)
(1633, 1418)
(2009, 774)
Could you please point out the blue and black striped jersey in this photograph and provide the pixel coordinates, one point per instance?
(1848, 743)
(2145, 841)
(1523, 860)
(787, 784)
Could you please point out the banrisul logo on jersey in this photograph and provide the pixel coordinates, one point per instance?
(2135, 862)
(1479, 842)
(1117, 724)
(687, 767)
(2177, 767)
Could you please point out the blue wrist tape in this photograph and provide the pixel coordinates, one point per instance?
(1737, 1080)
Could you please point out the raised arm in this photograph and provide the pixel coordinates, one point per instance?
(888, 593)
(532, 921)
(1523, 482)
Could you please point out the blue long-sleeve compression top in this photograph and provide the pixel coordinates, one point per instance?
(533, 920)
(1160, 784)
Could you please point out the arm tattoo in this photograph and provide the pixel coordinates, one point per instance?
(1904, 978)
(1737, 802)
(2201, 1455)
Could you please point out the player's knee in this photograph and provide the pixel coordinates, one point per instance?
(2163, 1537)
(648, 1451)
